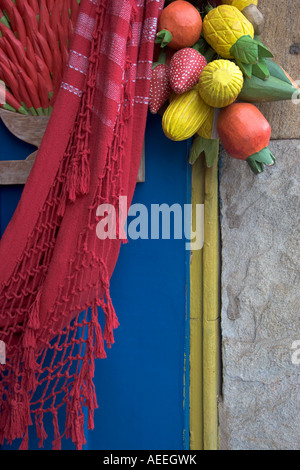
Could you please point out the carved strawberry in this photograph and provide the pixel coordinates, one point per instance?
(186, 66)
(160, 89)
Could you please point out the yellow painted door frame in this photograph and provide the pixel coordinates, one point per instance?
(204, 313)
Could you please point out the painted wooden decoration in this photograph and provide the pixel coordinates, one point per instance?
(220, 83)
(251, 75)
(30, 129)
(160, 88)
(250, 11)
(186, 66)
(179, 25)
(277, 87)
(184, 115)
(245, 134)
(231, 35)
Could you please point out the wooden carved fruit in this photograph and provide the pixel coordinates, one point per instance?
(186, 67)
(240, 4)
(179, 25)
(245, 134)
(256, 90)
(231, 35)
(250, 11)
(184, 115)
(160, 88)
(220, 83)
(206, 128)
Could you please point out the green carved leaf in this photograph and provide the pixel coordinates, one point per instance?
(259, 159)
(245, 50)
(263, 51)
(163, 37)
(245, 68)
(210, 148)
(261, 70)
(196, 150)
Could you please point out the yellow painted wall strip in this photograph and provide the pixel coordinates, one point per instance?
(210, 309)
(204, 313)
(196, 318)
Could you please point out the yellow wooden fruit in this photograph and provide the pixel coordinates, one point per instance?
(223, 26)
(240, 4)
(220, 83)
(184, 115)
(207, 127)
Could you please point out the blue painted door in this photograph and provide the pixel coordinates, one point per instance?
(142, 386)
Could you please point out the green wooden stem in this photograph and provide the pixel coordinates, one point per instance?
(163, 37)
(259, 159)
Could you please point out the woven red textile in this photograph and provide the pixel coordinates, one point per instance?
(54, 270)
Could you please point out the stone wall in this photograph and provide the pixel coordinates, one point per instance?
(260, 225)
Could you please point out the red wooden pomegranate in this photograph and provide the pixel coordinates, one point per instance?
(179, 25)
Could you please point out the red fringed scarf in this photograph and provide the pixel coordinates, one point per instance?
(54, 270)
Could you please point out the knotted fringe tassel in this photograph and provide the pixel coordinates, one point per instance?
(111, 320)
(83, 392)
(75, 416)
(18, 418)
(78, 178)
(72, 180)
(83, 181)
(88, 371)
(99, 342)
(63, 202)
(29, 344)
(40, 430)
(91, 403)
(25, 441)
(56, 444)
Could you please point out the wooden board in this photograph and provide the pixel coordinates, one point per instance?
(141, 174)
(282, 36)
(31, 129)
(17, 171)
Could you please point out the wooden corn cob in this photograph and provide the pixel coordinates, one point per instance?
(3, 57)
(50, 4)
(31, 22)
(44, 48)
(30, 52)
(3, 18)
(18, 49)
(11, 104)
(26, 101)
(10, 80)
(44, 72)
(18, 25)
(10, 51)
(35, 6)
(43, 17)
(20, 4)
(15, 20)
(34, 49)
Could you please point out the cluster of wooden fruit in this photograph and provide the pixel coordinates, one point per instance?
(210, 66)
(34, 46)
